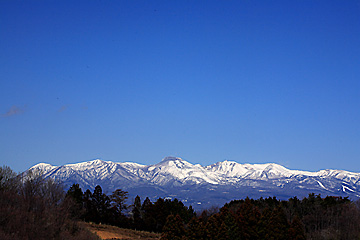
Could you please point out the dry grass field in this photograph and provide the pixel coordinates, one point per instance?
(107, 232)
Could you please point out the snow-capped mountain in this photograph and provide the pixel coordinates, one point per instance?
(203, 186)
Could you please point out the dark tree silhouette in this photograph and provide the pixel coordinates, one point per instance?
(195, 230)
(296, 230)
(137, 215)
(36, 209)
(173, 228)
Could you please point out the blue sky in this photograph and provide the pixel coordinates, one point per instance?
(250, 81)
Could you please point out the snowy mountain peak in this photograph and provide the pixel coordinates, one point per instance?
(225, 180)
(95, 162)
(174, 162)
(90, 164)
(172, 159)
(44, 167)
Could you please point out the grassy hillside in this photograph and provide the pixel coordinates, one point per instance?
(111, 232)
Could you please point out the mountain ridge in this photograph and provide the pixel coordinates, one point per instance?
(204, 185)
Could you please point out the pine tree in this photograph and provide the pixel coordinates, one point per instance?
(118, 198)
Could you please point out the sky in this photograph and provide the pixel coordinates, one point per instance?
(207, 81)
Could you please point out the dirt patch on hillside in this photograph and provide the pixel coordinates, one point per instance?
(107, 232)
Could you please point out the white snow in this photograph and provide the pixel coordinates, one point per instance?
(173, 170)
(347, 188)
(321, 185)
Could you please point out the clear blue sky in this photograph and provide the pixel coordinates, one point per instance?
(250, 81)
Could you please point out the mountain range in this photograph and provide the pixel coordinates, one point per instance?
(204, 186)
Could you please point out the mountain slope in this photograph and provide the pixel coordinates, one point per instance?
(204, 186)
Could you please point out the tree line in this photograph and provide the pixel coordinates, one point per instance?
(112, 209)
(313, 217)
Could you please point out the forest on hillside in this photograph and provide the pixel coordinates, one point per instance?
(32, 207)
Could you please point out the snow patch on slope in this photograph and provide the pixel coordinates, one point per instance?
(175, 172)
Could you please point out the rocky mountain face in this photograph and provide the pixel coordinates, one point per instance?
(204, 186)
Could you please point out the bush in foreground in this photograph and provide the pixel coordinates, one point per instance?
(32, 207)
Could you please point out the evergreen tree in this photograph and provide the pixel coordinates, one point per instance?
(76, 196)
(148, 215)
(296, 230)
(101, 204)
(248, 217)
(223, 232)
(232, 226)
(138, 222)
(160, 212)
(90, 211)
(137, 202)
(264, 223)
(279, 225)
(216, 228)
(118, 198)
(75, 193)
(195, 230)
(147, 203)
(173, 228)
